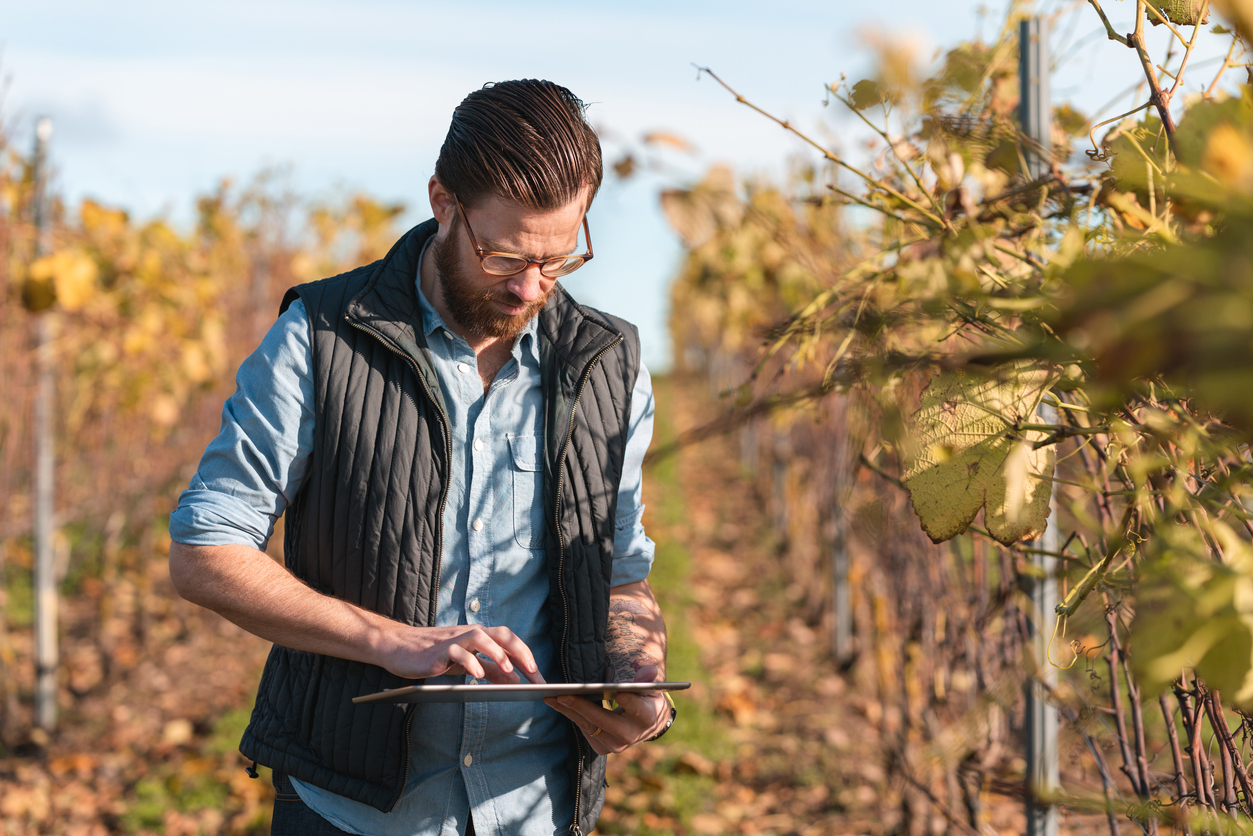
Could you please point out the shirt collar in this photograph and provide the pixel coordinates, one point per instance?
(431, 320)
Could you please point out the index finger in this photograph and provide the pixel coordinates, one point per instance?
(517, 650)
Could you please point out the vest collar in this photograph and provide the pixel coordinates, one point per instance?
(388, 306)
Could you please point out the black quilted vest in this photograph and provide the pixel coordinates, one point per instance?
(366, 525)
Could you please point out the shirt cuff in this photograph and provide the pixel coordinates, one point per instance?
(210, 518)
(633, 550)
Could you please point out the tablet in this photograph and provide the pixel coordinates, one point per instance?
(524, 692)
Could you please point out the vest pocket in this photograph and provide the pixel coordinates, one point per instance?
(528, 490)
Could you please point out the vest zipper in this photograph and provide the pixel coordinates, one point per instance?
(575, 830)
(439, 536)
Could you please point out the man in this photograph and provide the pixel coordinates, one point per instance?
(456, 445)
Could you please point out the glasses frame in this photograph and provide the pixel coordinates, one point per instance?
(485, 254)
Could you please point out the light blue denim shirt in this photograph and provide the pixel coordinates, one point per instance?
(506, 762)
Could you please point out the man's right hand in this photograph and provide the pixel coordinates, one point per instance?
(439, 651)
(249, 588)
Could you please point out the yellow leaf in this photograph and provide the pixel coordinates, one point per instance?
(672, 140)
(136, 341)
(72, 274)
(102, 222)
(1239, 12)
(966, 456)
(195, 364)
(149, 268)
(304, 268)
(76, 281)
(164, 410)
(1229, 156)
(1016, 467)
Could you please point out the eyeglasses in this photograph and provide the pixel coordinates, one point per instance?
(510, 264)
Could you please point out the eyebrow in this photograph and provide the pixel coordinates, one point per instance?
(494, 246)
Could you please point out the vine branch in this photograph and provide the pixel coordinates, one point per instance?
(788, 126)
(1159, 97)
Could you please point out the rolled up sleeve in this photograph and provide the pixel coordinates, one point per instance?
(253, 468)
(633, 550)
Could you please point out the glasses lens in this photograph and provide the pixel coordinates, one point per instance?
(562, 266)
(503, 265)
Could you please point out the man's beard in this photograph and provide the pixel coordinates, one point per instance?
(472, 308)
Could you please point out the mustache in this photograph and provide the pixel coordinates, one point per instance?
(514, 301)
(505, 299)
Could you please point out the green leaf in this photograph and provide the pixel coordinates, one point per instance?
(1139, 155)
(1181, 12)
(1071, 121)
(1195, 612)
(1180, 314)
(967, 456)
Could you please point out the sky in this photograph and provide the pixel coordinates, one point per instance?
(154, 103)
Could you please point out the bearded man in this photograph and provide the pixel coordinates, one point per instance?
(455, 446)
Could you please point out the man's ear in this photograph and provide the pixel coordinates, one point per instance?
(443, 204)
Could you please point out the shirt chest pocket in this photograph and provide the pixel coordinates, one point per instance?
(529, 518)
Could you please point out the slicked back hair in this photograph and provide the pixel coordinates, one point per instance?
(526, 140)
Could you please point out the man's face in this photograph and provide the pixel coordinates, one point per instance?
(501, 306)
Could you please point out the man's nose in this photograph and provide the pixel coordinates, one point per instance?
(529, 284)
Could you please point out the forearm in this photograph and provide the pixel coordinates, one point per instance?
(636, 648)
(247, 587)
(636, 635)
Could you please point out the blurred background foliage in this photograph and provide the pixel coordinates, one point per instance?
(889, 327)
(876, 333)
(150, 322)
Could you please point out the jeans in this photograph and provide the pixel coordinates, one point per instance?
(292, 817)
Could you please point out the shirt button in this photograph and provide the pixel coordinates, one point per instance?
(479, 444)
(468, 759)
(474, 605)
(478, 525)
(448, 334)
(463, 368)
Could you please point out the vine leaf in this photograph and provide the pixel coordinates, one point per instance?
(1182, 12)
(1195, 612)
(67, 276)
(697, 213)
(866, 93)
(967, 456)
(1239, 13)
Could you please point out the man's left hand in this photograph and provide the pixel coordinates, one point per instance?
(637, 717)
